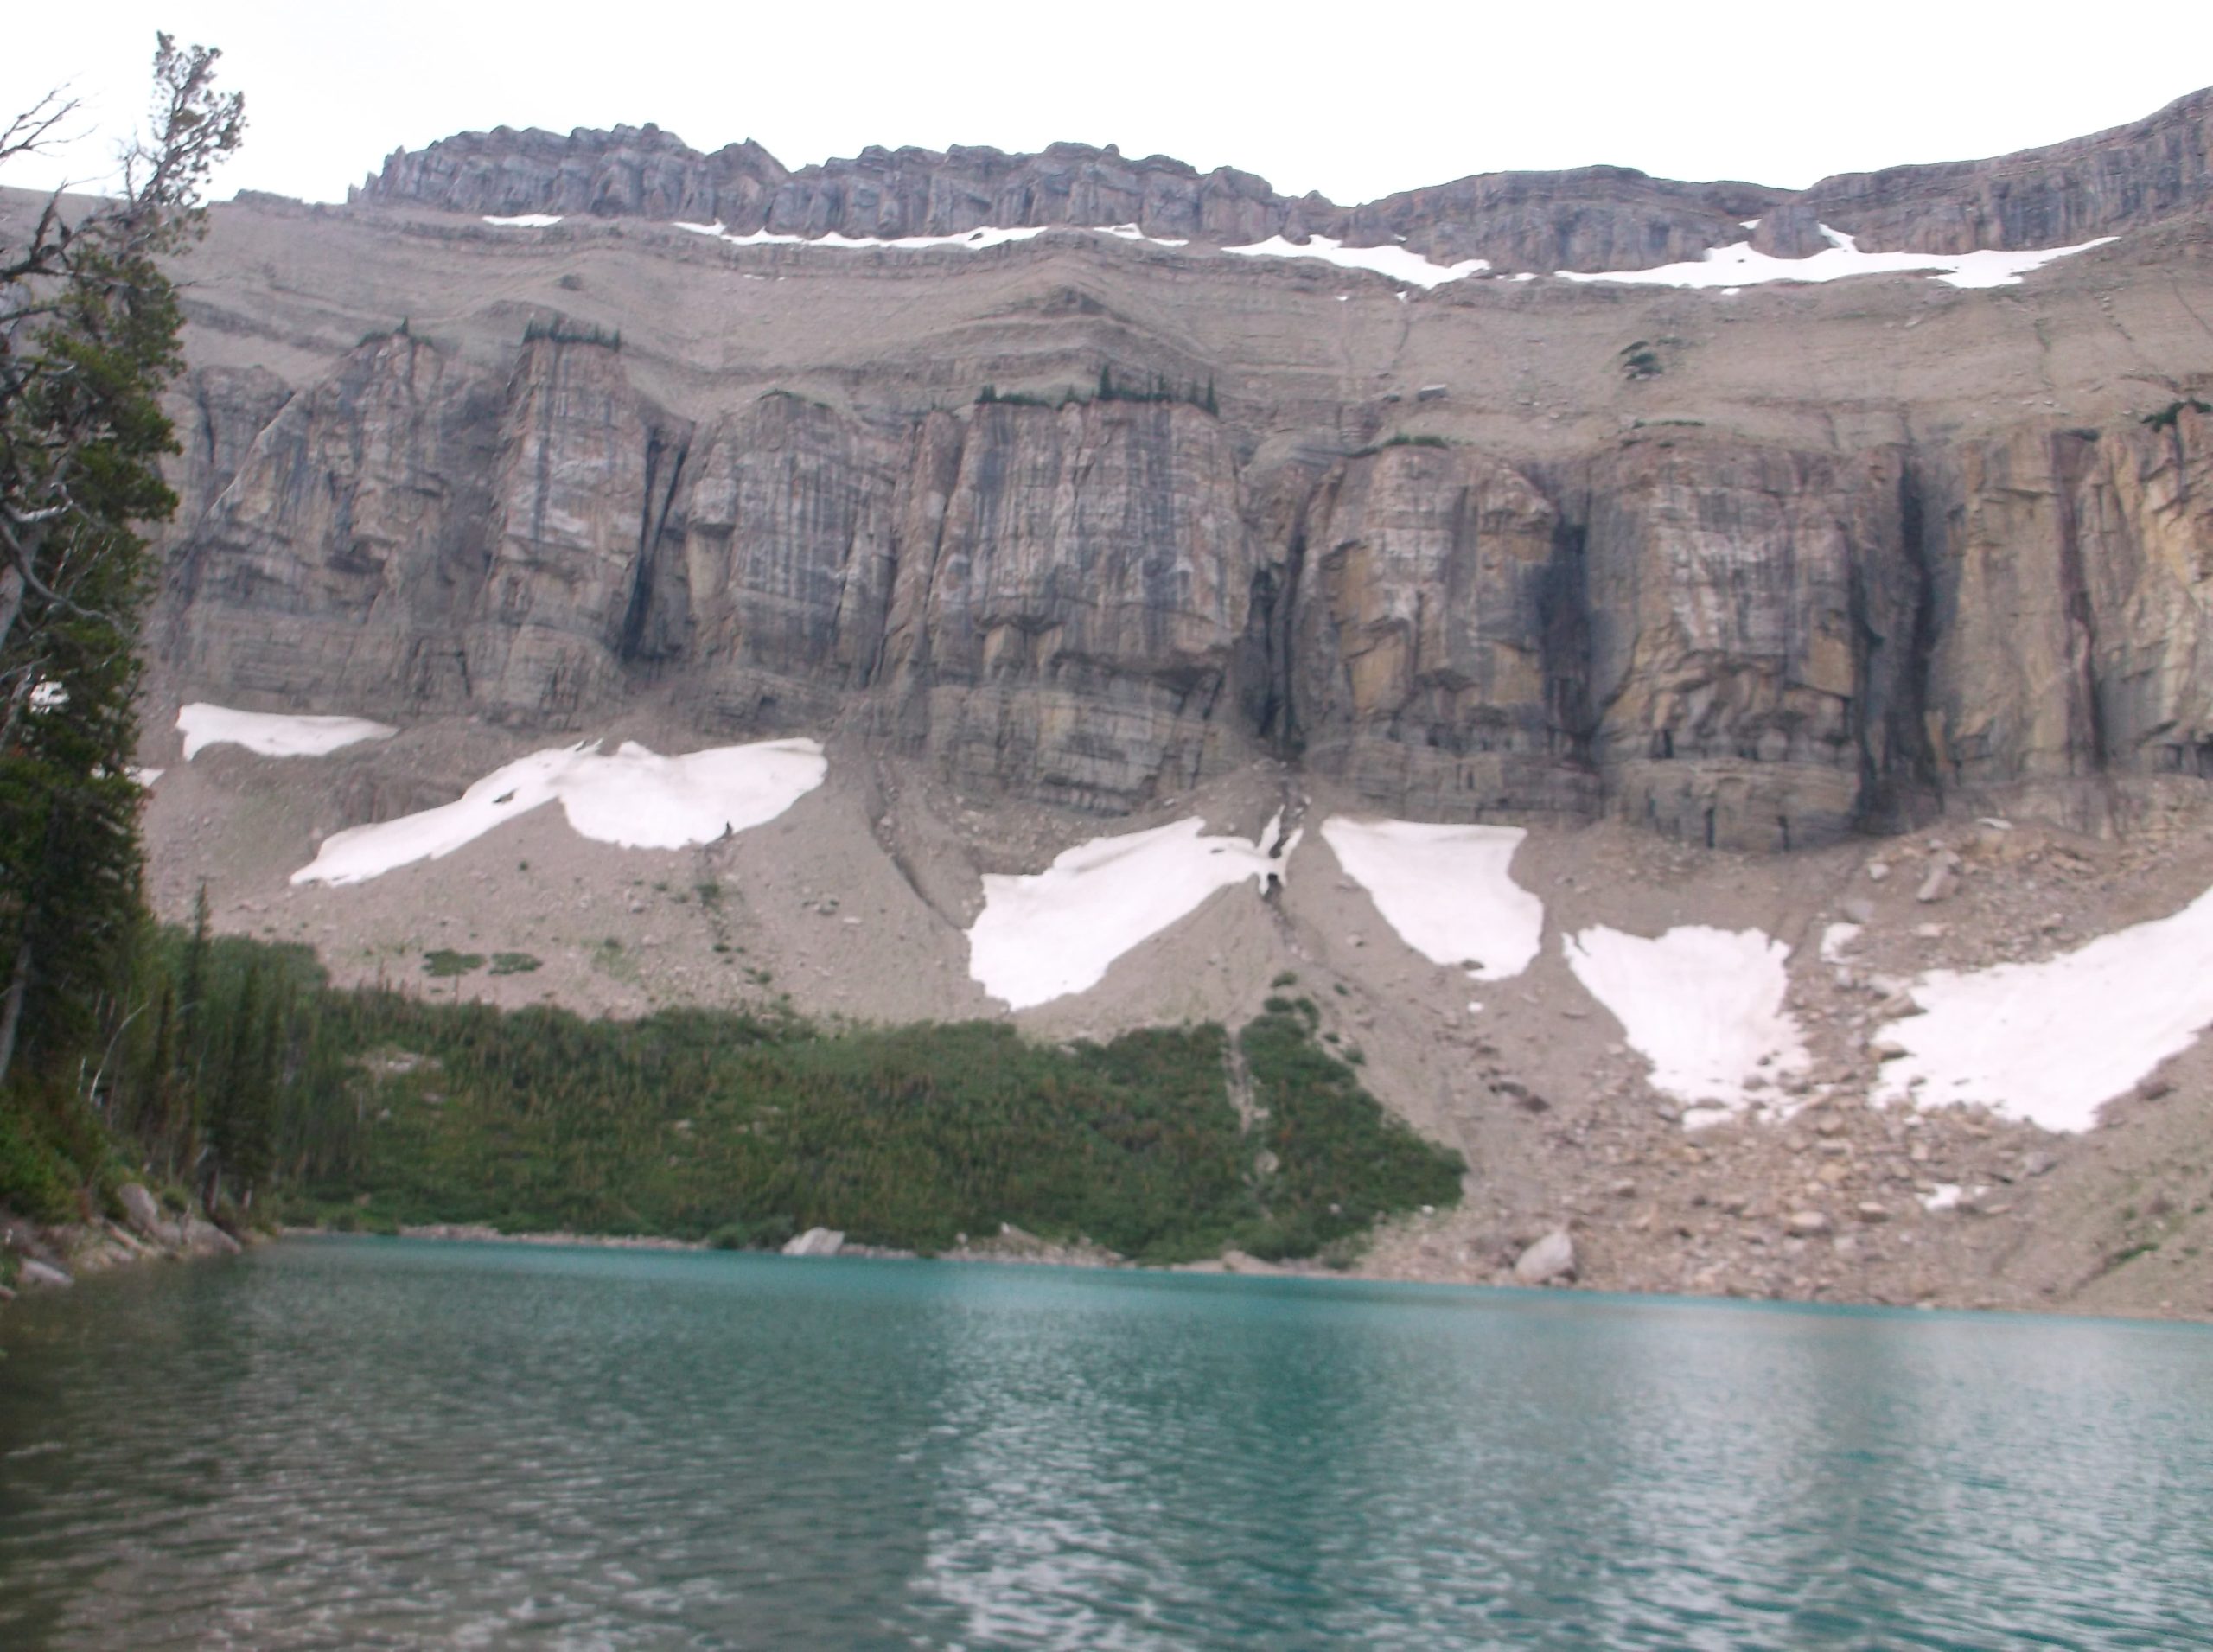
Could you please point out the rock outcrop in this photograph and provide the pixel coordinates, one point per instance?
(2060, 196)
(1733, 642)
(1437, 642)
(1584, 219)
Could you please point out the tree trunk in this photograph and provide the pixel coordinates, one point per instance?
(11, 600)
(11, 1008)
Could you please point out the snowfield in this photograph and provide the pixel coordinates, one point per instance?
(1445, 890)
(1041, 937)
(526, 221)
(1393, 261)
(272, 735)
(974, 240)
(1703, 1005)
(636, 798)
(1725, 268)
(1737, 265)
(2054, 1042)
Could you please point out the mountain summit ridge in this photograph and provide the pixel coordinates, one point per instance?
(1585, 218)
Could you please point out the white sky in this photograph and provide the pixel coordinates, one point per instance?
(1357, 102)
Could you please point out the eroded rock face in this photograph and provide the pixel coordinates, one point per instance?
(631, 171)
(1072, 587)
(345, 536)
(2071, 608)
(1590, 218)
(580, 498)
(1100, 603)
(778, 592)
(1436, 644)
(1748, 613)
(1584, 219)
(2060, 196)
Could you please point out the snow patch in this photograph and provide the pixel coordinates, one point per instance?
(974, 240)
(1041, 937)
(273, 734)
(1737, 265)
(1393, 261)
(1445, 890)
(2051, 1042)
(636, 798)
(145, 776)
(1836, 939)
(526, 221)
(1703, 1005)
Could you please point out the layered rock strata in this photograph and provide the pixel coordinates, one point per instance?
(1098, 603)
(1586, 218)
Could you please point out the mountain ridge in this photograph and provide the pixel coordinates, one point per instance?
(1584, 219)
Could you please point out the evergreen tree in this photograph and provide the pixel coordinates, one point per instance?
(88, 338)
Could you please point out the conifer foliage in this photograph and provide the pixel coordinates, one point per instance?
(88, 339)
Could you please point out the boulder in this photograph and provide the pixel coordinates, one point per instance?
(1552, 1258)
(1807, 1224)
(195, 1237)
(141, 1209)
(1938, 885)
(35, 1272)
(816, 1241)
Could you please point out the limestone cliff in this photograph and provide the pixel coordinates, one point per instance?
(1583, 219)
(1733, 641)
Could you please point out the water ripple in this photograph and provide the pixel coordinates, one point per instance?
(400, 1444)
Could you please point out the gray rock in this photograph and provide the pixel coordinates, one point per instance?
(816, 1241)
(1938, 885)
(1551, 1257)
(1807, 1224)
(196, 1237)
(140, 1209)
(35, 1272)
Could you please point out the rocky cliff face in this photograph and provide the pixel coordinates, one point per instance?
(1586, 218)
(2060, 196)
(1732, 642)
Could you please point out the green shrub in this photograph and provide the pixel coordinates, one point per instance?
(2165, 417)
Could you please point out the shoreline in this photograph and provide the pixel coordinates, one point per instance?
(1041, 1254)
(69, 1252)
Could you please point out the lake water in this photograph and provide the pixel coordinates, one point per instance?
(362, 1442)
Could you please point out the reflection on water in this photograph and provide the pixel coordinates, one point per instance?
(396, 1444)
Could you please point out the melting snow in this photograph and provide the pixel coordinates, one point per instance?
(1445, 890)
(1393, 261)
(1131, 232)
(527, 220)
(270, 734)
(2052, 1042)
(1040, 938)
(636, 798)
(1737, 265)
(1703, 1005)
(1836, 941)
(974, 240)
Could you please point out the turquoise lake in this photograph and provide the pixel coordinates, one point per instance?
(365, 1443)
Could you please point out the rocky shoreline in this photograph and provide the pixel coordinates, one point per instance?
(53, 1257)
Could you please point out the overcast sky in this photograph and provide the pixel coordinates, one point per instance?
(1354, 100)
